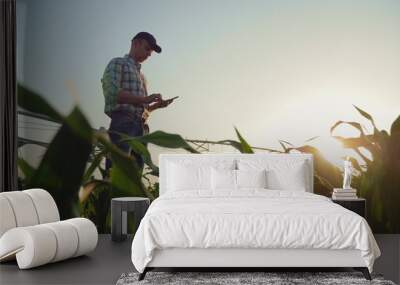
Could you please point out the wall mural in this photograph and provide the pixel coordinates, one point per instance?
(221, 84)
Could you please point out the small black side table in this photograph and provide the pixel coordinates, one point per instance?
(358, 205)
(119, 208)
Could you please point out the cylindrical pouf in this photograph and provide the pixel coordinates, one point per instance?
(87, 235)
(34, 246)
(67, 240)
(23, 208)
(45, 205)
(7, 218)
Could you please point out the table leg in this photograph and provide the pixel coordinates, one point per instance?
(124, 222)
(116, 222)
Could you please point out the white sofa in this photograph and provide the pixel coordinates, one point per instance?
(31, 231)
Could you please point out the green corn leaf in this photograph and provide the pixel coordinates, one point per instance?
(103, 172)
(330, 173)
(139, 148)
(90, 187)
(367, 116)
(393, 146)
(124, 177)
(62, 168)
(125, 173)
(354, 124)
(286, 142)
(26, 168)
(285, 149)
(167, 140)
(233, 143)
(353, 142)
(95, 164)
(311, 139)
(370, 142)
(355, 163)
(322, 186)
(245, 147)
(95, 199)
(395, 128)
(33, 102)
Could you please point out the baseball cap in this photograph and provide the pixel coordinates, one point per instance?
(150, 39)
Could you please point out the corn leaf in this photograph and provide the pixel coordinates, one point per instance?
(286, 142)
(368, 142)
(353, 142)
(329, 174)
(33, 102)
(395, 128)
(96, 205)
(95, 164)
(322, 186)
(353, 124)
(367, 116)
(235, 144)
(140, 149)
(245, 147)
(61, 171)
(355, 164)
(26, 169)
(285, 149)
(311, 139)
(125, 173)
(164, 139)
(89, 188)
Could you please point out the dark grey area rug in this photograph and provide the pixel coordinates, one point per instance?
(232, 278)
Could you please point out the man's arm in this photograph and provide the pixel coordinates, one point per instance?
(126, 97)
(113, 92)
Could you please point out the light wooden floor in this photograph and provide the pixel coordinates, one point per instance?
(110, 260)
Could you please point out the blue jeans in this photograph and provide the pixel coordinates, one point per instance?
(127, 123)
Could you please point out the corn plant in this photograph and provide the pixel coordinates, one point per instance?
(73, 155)
(77, 151)
(326, 175)
(379, 174)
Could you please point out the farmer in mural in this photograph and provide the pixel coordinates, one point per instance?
(126, 100)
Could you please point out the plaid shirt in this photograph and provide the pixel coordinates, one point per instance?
(122, 73)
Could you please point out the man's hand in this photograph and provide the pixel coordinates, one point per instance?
(160, 104)
(153, 98)
(165, 103)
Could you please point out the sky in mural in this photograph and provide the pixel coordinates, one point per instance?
(274, 69)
